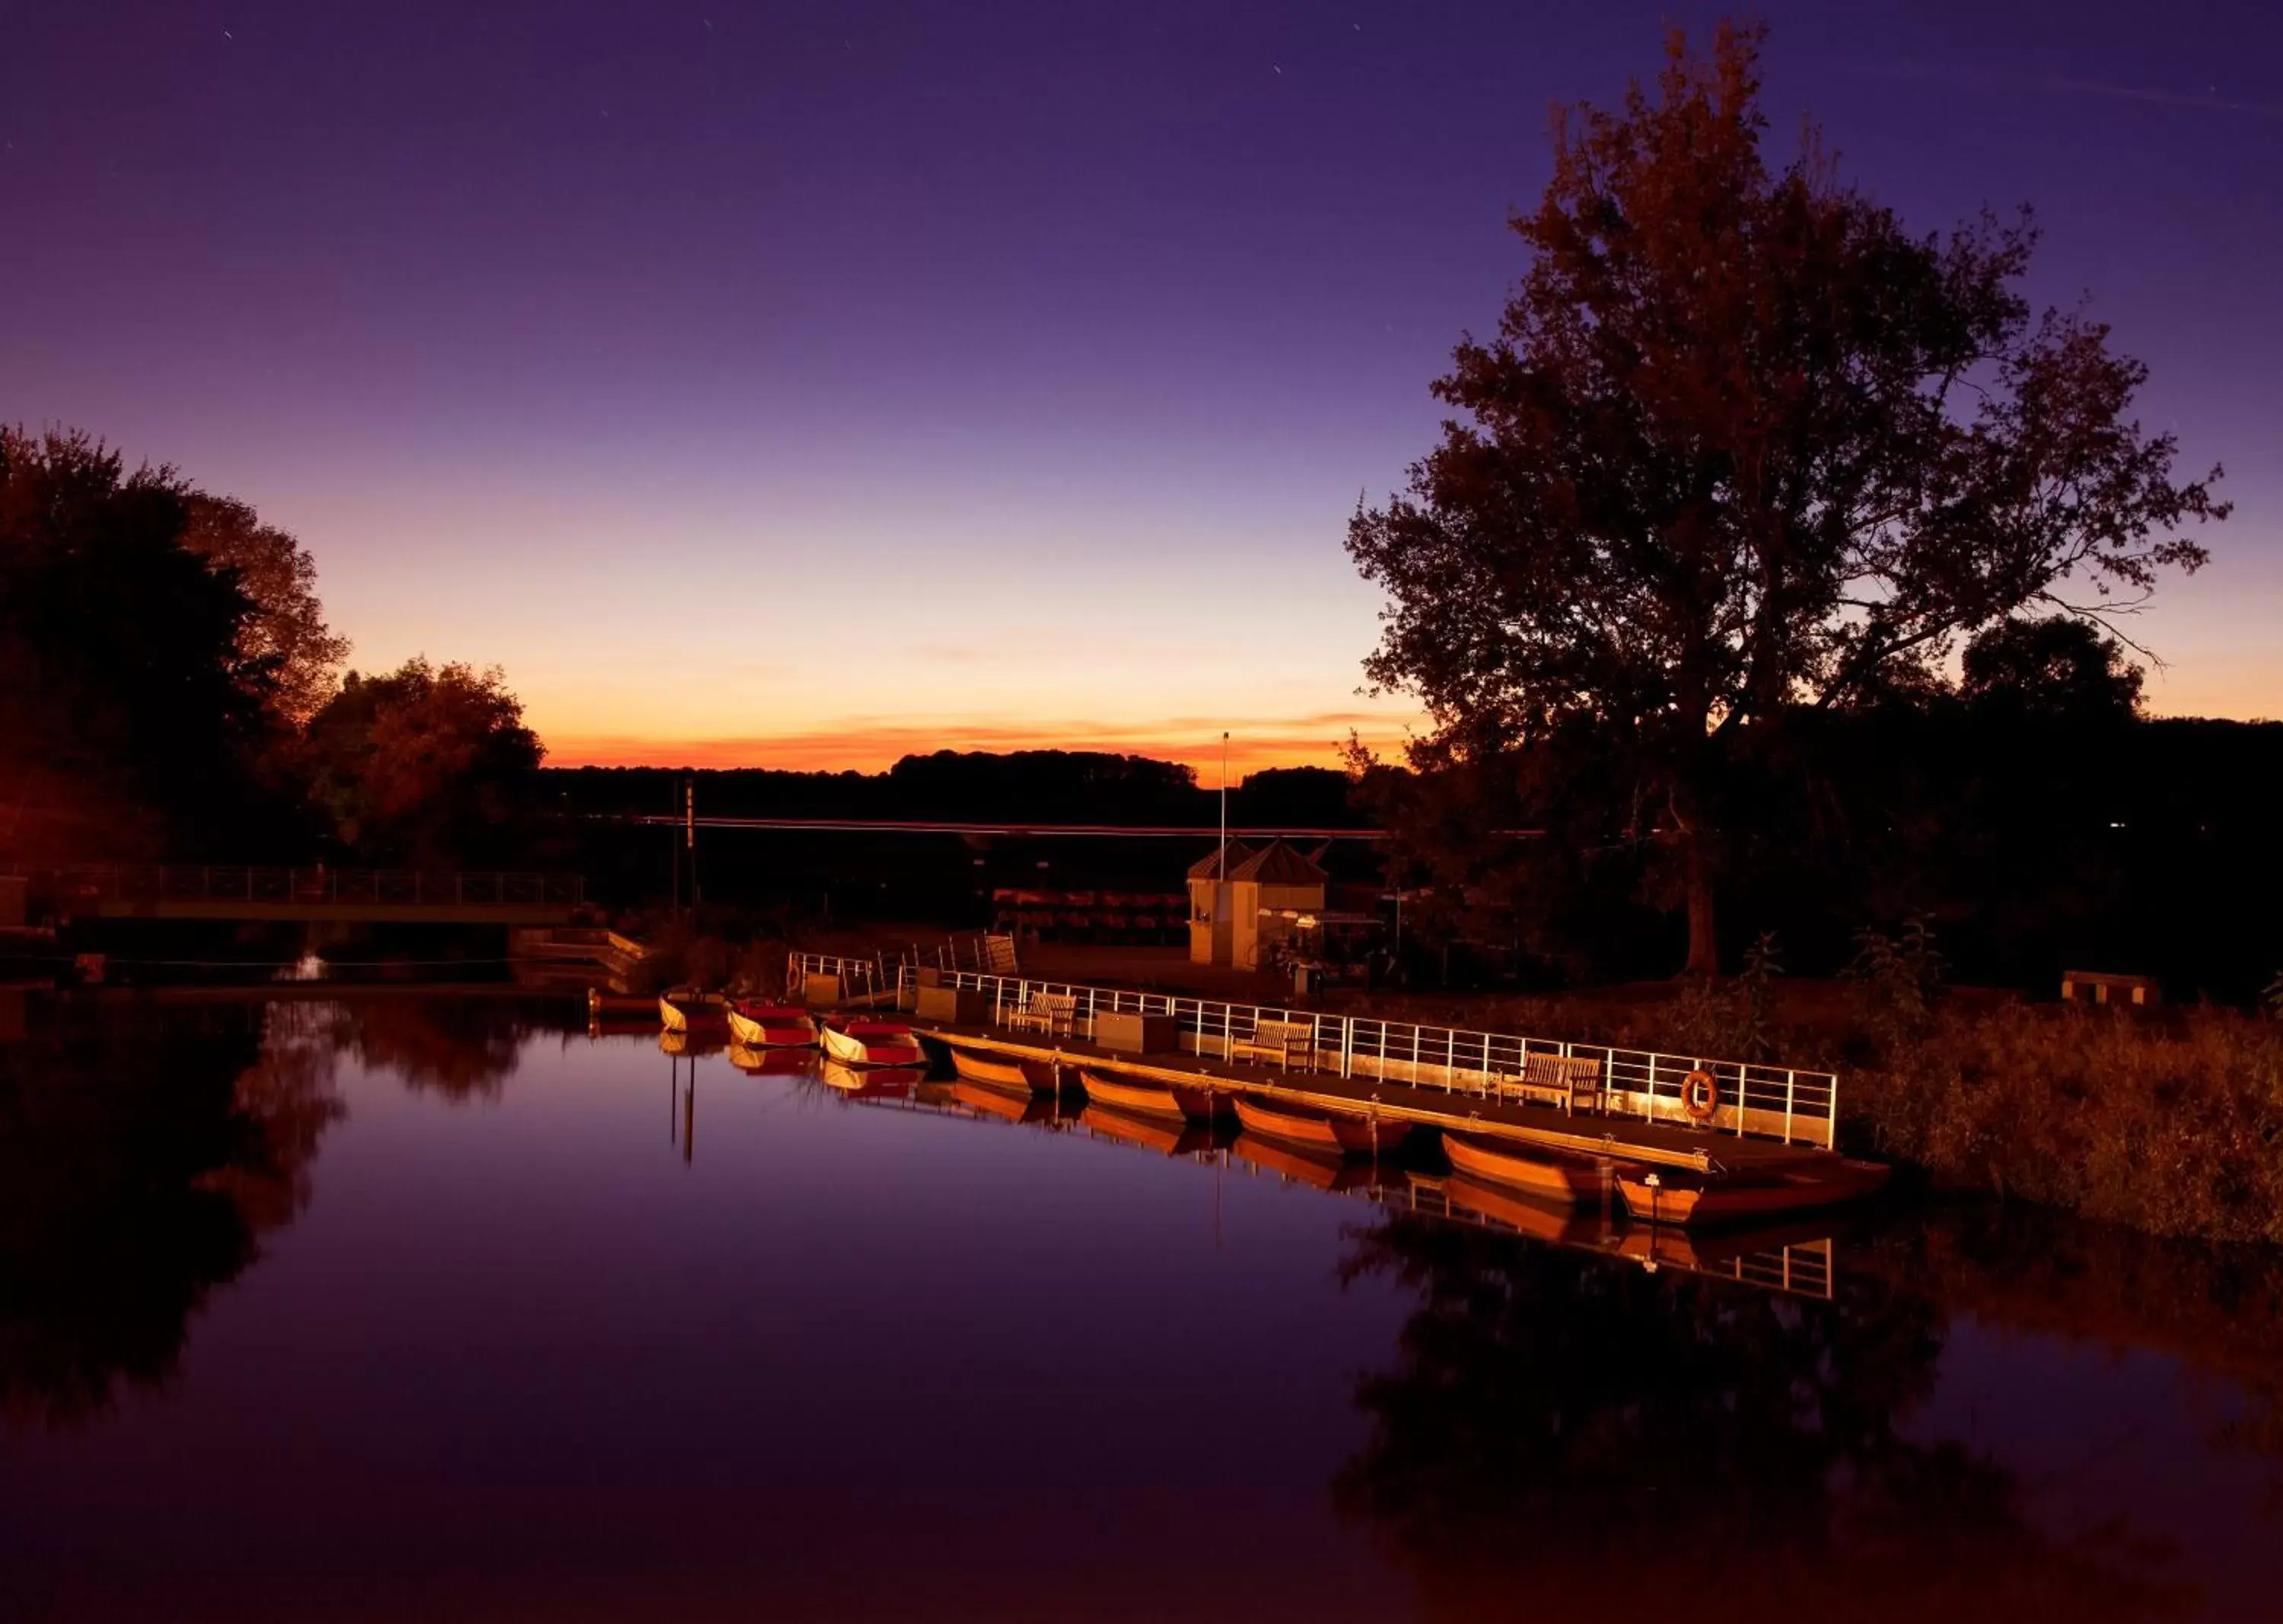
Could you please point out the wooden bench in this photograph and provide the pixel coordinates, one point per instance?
(1281, 1041)
(1571, 1081)
(1055, 1014)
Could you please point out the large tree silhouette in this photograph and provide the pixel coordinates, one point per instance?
(1744, 445)
(134, 718)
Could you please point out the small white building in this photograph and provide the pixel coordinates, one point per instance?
(1243, 902)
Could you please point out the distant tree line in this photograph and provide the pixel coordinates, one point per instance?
(1042, 786)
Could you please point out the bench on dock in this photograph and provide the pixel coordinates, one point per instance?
(1281, 1041)
(1570, 1082)
(1055, 1014)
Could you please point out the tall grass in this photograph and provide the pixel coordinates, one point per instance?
(2170, 1121)
(2175, 1126)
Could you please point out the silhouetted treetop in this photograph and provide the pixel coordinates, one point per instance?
(286, 632)
(2055, 669)
(429, 764)
(133, 715)
(1743, 444)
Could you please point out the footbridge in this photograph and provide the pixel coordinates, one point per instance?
(410, 896)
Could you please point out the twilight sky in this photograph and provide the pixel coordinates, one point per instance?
(799, 385)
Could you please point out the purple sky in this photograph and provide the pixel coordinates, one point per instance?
(801, 384)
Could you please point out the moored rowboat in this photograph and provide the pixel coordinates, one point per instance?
(764, 1062)
(760, 1026)
(1322, 1169)
(1168, 1136)
(1548, 1221)
(872, 1042)
(1341, 1136)
(1148, 1097)
(1689, 1202)
(993, 1071)
(683, 1010)
(1008, 1105)
(873, 1081)
(1569, 1180)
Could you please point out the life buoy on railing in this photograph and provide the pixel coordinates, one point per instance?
(1700, 1095)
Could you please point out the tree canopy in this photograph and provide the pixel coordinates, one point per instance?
(1743, 447)
(425, 764)
(286, 630)
(135, 714)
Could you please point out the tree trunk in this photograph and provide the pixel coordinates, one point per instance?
(1703, 938)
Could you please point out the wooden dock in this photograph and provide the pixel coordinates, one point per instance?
(1538, 1126)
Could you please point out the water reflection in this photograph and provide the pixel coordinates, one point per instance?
(1557, 1428)
(1543, 1420)
(142, 1158)
(463, 1048)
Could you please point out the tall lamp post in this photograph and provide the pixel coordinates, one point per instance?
(1221, 904)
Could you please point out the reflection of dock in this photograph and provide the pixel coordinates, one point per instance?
(1794, 1258)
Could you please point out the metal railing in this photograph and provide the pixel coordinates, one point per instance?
(379, 888)
(850, 977)
(1774, 1102)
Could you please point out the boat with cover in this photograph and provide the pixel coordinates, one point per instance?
(1002, 1072)
(1689, 1200)
(1148, 1097)
(872, 1042)
(771, 1026)
(873, 1081)
(1319, 1130)
(767, 1062)
(684, 1009)
(1543, 1176)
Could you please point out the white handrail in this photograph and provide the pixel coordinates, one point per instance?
(1768, 1101)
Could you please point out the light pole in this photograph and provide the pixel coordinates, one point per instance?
(1221, 904)
(1224, 807)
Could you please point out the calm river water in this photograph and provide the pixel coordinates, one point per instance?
(406, 1307)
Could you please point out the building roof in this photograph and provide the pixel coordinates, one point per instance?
(1208, 867)
(1278, 864)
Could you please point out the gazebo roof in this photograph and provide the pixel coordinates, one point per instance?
(1209, 866)
(1278, 864)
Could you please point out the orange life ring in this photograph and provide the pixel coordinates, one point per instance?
(1700, 1095)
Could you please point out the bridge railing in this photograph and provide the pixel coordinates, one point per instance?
(378, 887)
(1777, 1102)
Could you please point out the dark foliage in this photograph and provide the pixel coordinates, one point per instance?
(1744, 449)
(1555, 1424)
(136, 719)
(426, 765)
(140, 1161)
